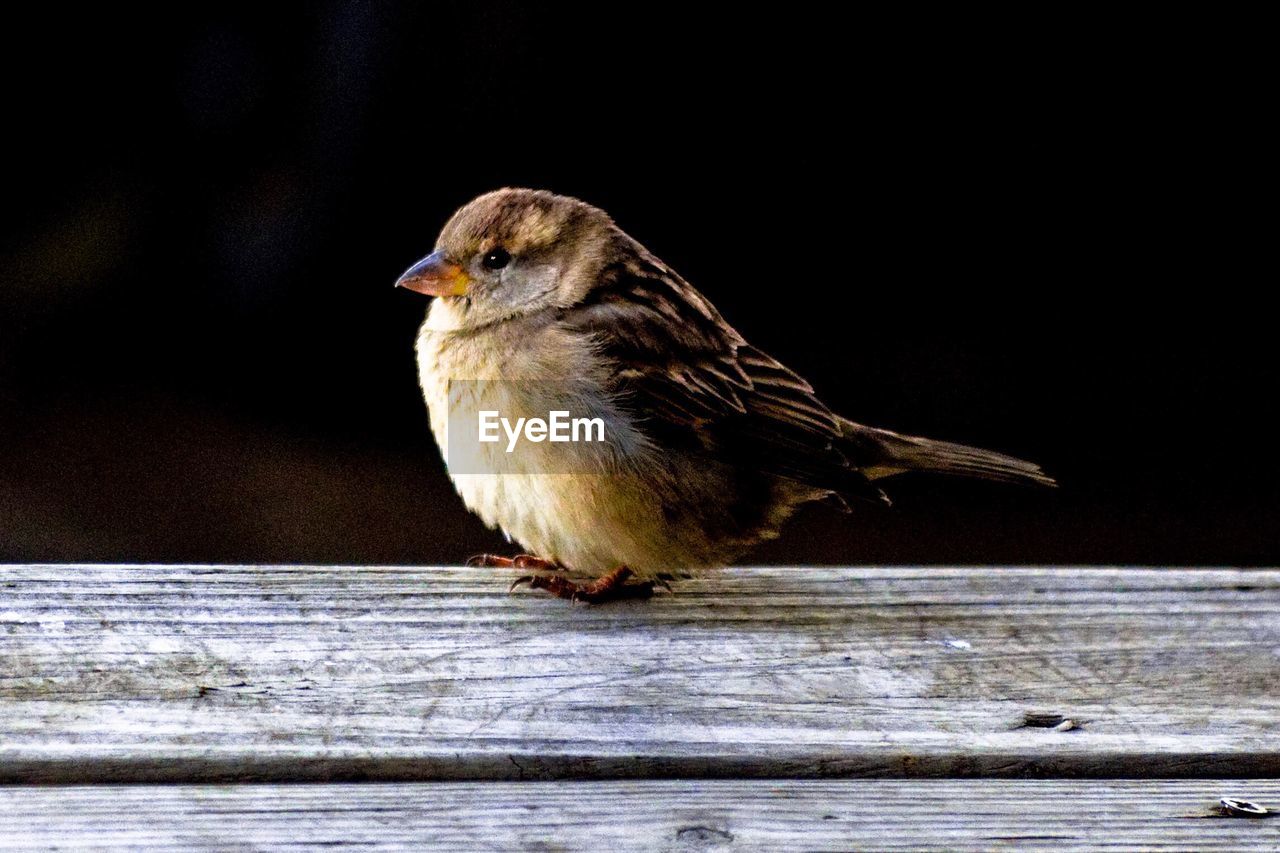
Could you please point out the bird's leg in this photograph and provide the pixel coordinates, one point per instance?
(610, 587)
(520, 561)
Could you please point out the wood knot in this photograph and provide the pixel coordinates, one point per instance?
(703, 835)
(1050, 720)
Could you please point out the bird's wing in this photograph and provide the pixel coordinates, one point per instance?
(695, 383)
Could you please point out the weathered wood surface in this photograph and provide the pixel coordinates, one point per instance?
(191, 674)
(925, 814)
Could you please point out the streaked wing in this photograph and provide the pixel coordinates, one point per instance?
(696, 384)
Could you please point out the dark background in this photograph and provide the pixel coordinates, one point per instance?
(1031, 234)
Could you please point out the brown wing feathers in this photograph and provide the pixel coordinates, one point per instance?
(712, 389)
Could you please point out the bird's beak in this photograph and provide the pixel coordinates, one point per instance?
(435, 275)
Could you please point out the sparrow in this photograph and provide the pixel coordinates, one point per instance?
(713, 443)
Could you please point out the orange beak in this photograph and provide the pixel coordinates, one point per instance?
(435, 275)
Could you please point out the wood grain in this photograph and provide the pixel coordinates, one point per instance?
(645, 815)
(214, 674)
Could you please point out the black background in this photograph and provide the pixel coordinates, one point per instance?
(1032, 234)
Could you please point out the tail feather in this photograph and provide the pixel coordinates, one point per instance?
(882, 453)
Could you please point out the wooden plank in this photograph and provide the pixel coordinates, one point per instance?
(646, 815)
(200, 674)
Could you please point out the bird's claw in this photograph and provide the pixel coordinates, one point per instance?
(520, 561)
(610, 587)
(528, 561)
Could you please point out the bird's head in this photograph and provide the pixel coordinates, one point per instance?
(513, 252)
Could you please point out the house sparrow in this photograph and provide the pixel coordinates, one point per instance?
(715, 444)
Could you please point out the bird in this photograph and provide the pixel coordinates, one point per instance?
(542, 303)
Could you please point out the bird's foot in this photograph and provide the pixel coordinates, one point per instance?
(610, 587)
(520, 561)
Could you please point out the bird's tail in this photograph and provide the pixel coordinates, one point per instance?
(882, 453)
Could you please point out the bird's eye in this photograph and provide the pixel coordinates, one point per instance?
(496, 260)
